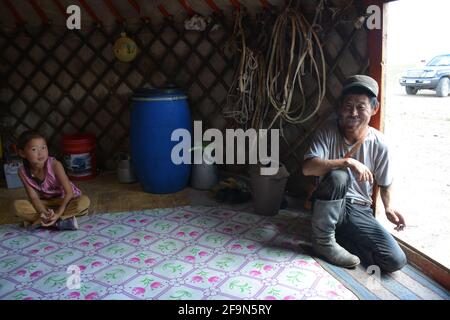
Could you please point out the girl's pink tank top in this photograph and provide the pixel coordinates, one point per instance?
(50, 187)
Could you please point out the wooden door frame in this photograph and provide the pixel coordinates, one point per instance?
(376, 49)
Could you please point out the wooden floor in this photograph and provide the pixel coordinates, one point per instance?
(106, 194)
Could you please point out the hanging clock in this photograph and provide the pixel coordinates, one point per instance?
(125, 49)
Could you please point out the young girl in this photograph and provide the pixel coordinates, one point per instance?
(53, 199)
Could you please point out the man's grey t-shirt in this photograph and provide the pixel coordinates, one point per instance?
(329, 144)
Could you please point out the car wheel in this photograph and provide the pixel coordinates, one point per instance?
(411, 90)
(443, 87)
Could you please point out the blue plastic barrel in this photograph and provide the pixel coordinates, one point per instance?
(155, 114)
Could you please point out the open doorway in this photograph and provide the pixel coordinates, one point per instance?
(417, 122)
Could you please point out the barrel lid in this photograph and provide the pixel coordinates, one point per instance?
(78, 138)
(171, 93)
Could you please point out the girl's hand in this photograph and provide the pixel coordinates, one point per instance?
(48, 216)
(50, 220)
(49, 223)
(50, 213)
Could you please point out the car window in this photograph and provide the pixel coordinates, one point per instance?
(439, 61)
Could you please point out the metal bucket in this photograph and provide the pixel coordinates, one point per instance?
(268, 190)
(125, 172)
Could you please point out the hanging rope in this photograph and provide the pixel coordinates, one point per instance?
(260, 96)
(242, 98)
(294, 43)
(294, 48)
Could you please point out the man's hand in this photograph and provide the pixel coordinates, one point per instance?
(360, 170)
(396, 218)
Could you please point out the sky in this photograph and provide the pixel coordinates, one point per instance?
(416, 30)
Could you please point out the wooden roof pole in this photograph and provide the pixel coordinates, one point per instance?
(376, 63)
(187, 7)
(135, 6)
(114, 11)
(40, 12)
(164, 11)
(213, 6)
(12, 9)
(264, 4)
(236, 4)
(60, 7)
(90, 11)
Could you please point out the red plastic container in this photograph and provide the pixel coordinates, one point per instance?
(79, 155)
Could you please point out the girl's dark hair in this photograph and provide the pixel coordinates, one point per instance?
(26, 136)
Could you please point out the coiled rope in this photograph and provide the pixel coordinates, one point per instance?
(255, 88)
(292, 45)
(244, 97)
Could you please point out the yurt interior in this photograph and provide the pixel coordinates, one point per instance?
(155, 150)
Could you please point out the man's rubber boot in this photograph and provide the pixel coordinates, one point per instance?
(324, 219)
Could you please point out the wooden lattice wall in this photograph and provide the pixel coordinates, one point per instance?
(61, 81)
(64, 81)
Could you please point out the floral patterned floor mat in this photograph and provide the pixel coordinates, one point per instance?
(192, 252)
